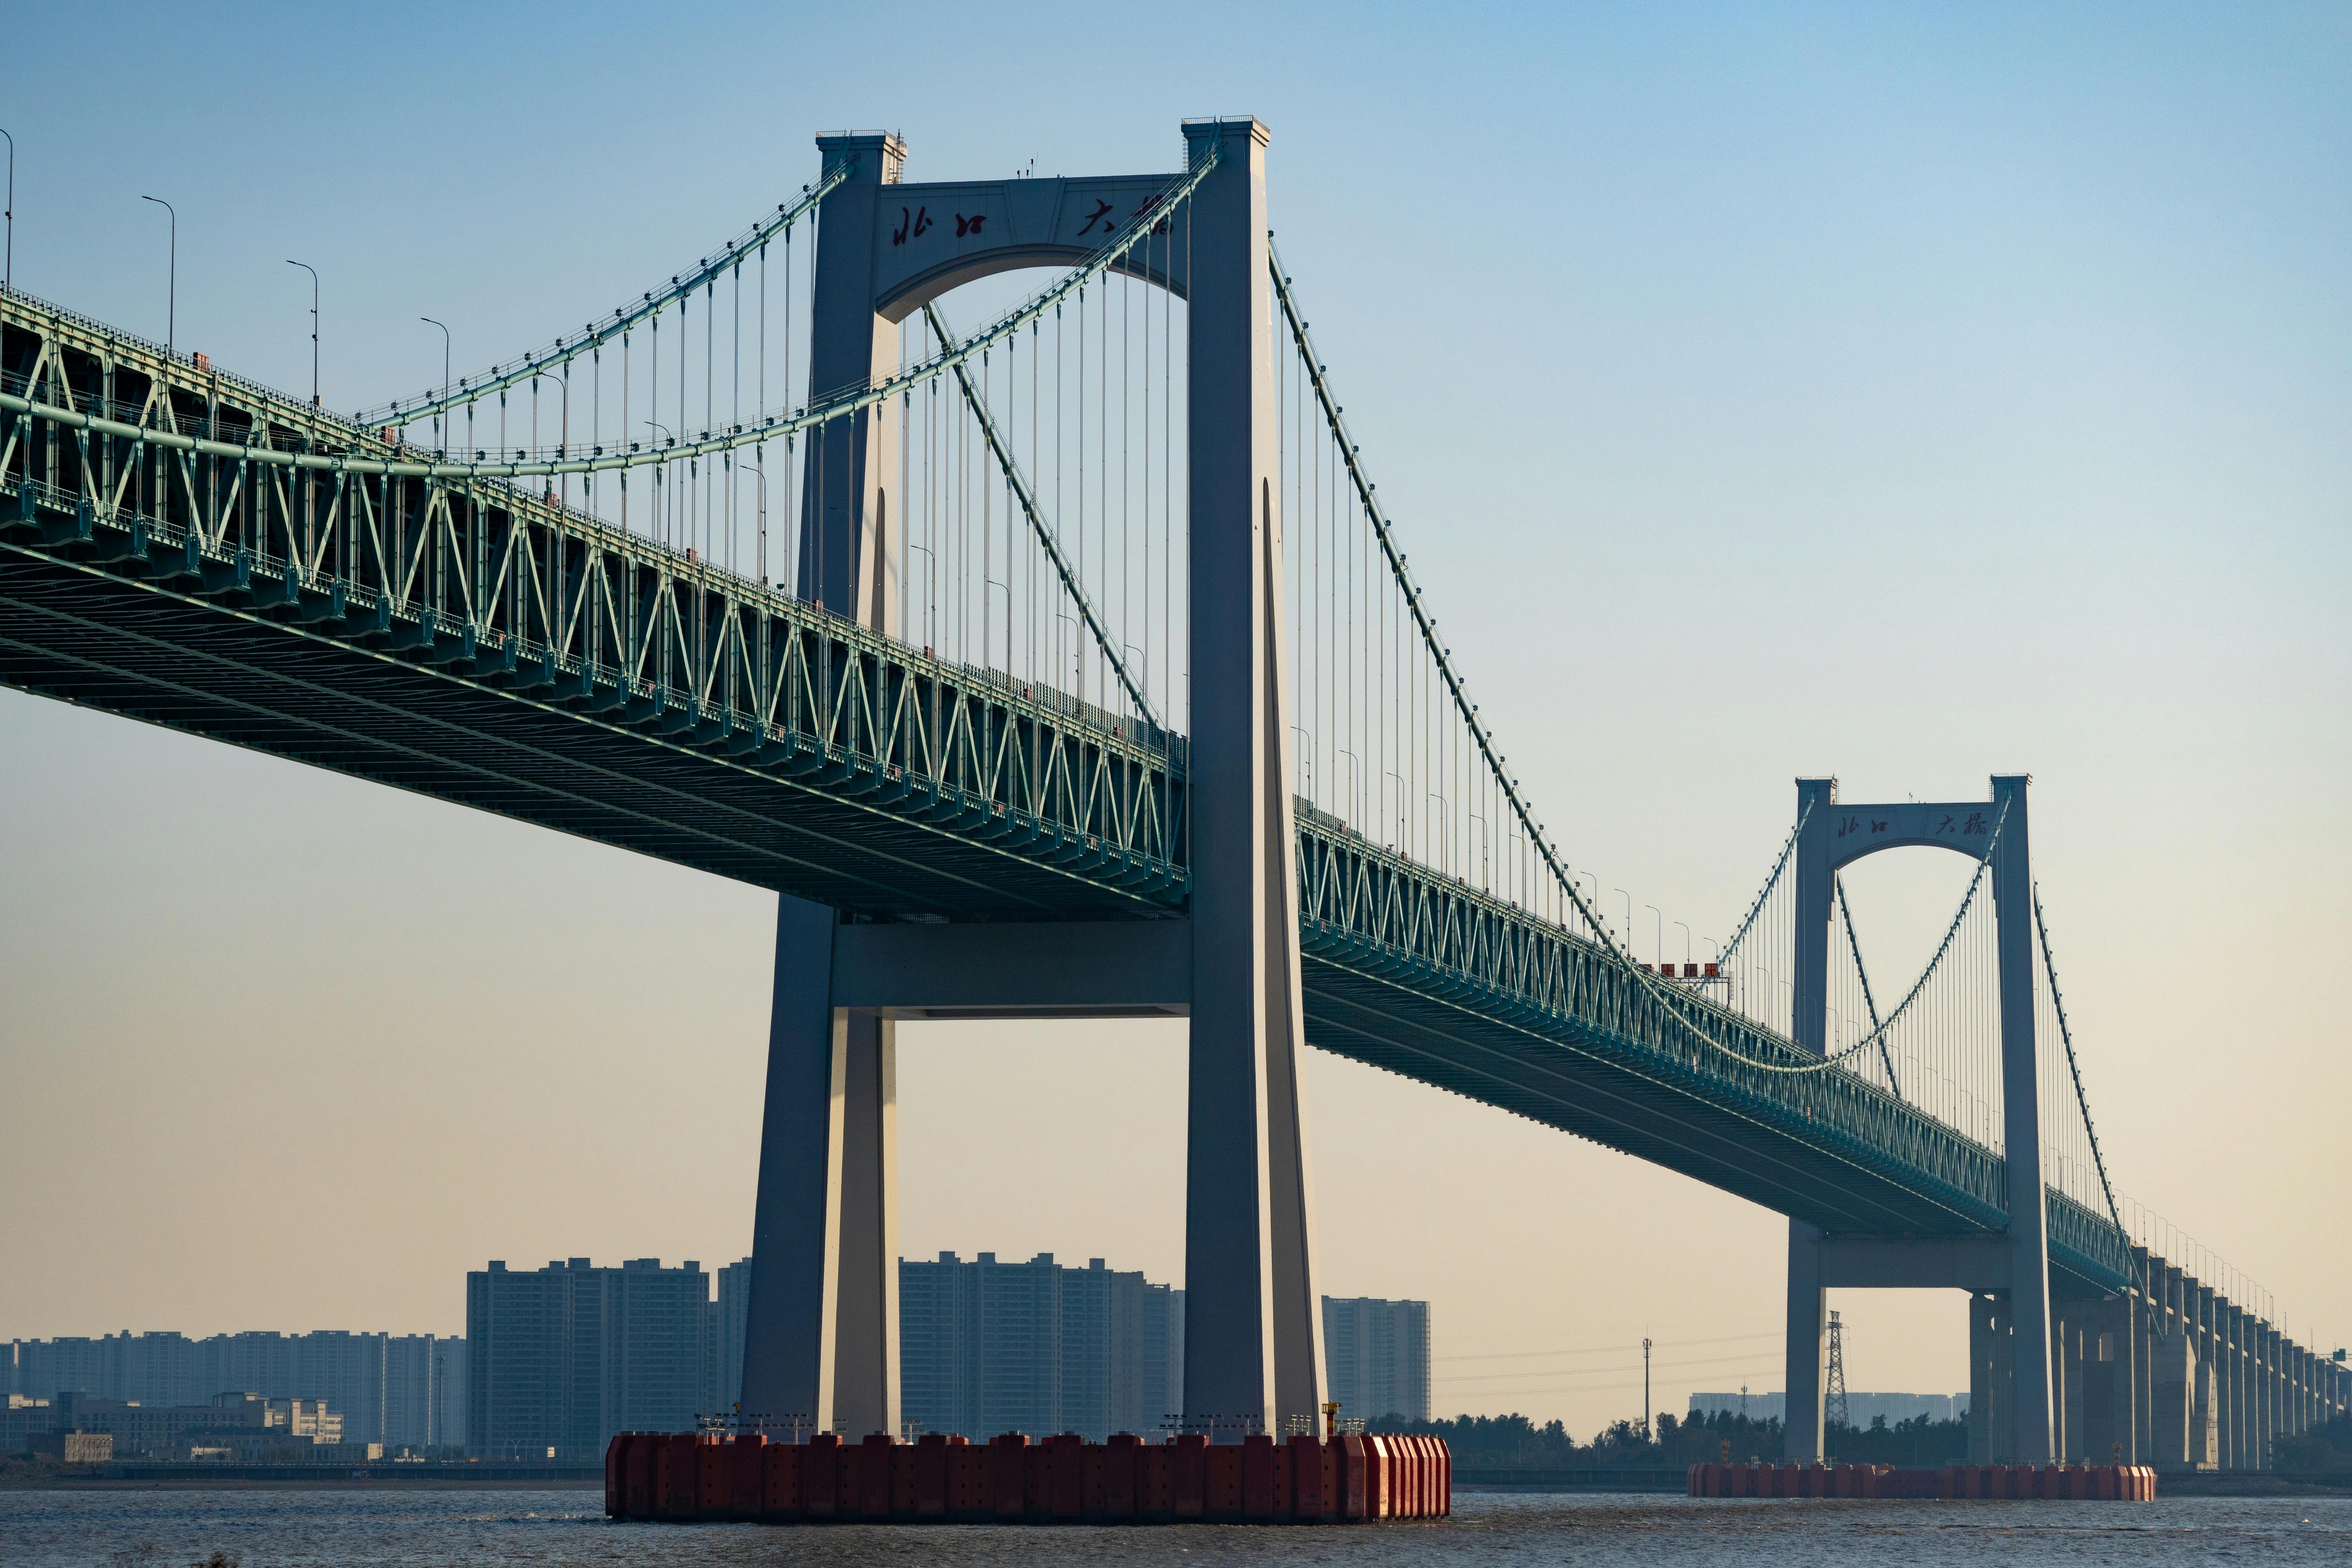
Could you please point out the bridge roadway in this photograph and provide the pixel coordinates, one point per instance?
(182, 548)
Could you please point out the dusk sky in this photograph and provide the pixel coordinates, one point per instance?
(1909, 394)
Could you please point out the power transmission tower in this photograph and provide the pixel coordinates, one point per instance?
(1835, 1411)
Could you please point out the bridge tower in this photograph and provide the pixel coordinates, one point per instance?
(2008, 1278)
(823, 1337)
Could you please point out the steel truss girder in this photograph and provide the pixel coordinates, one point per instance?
(505, 592)
(1412, 971)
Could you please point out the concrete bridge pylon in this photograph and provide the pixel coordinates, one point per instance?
(2010, 1321)
(822, 1336)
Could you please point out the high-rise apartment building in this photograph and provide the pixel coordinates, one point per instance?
(988, 1347)
(560, 1358)
(732, 1315)
(1376, 1357)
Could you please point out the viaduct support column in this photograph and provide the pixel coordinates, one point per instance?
(2231, 1384)
(1253, 1328)
(2205, 1416)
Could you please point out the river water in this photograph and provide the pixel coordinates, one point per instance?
(173, 1529)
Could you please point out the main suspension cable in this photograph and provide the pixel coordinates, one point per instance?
(2074, 1070)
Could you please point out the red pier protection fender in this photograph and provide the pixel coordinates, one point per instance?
(2087, 1483)
(1062, 1480)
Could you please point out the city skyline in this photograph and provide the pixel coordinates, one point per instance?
(1913, 398)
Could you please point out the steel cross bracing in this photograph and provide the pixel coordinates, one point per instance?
(456, 637)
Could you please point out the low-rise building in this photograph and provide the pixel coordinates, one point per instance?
(23, 1419)
(75, 1448)
(171, 1431)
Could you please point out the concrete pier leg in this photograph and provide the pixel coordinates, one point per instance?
(865, 1340)
(1981, 1376)
(2004, 1380)
(1252, 1322)
(1298, 1364)
(2231, 1388)
(2029, 1219)
(821, 1343)
(1807, 1367)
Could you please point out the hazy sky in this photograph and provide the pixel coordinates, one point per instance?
(1909, 394)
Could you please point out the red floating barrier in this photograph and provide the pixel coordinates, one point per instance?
(744, 1459)
(1007, 1483)
(929, 1464)
(710, 1476)
(1065, 1476)
(1093, 1479)
(676, 1480)
(616, 1467)
(1188, 1477)
(637, 1500)
(821, 1476)
(1155, 1483)
(1257, 1476)
(713, 1486)
(1355, 1478)
(873, 1470)
(971, 1481)
(1033, 1501)
(780, 1481)
(1224, 1486)
(1120, 1464)
(1307, 1467)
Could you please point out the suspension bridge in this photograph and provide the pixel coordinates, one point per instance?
(1072, 667)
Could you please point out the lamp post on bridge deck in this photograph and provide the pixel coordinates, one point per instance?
(440, 430)
(171, 299)
(11, 284)
(314, 327)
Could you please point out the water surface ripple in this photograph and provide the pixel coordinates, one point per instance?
(173, 1529)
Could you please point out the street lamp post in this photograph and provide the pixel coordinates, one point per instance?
(314, 327)
(172, 300)
(760, 472)
(442, 413)
(11, 284)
